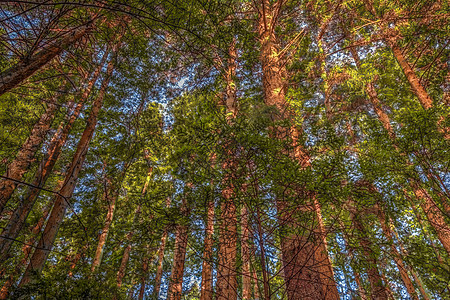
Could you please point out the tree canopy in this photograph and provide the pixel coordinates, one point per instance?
(225, 149)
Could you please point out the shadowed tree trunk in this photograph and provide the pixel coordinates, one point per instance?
(245, 253)
(159, 266)
(396, 255)
(176, 276)
(26, 249)
(378, 290)
(17, 168)
(111, 201)
(124, 262)
(207, 280)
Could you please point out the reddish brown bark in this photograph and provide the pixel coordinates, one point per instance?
(179, 253)
(176, 276)
(62, 199)
(13, 76)
(207, 280)
(145, 264)
(378, 290)
(226, 286)
(19, 216)
(111, 201)
(417, 88)
(24, 158)
(159, 266)
(123, 264)
(302, 266)
(434, 216)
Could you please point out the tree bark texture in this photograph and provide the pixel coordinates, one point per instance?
(302, 267)
(176, 277)
(226, 286)
(24, 158)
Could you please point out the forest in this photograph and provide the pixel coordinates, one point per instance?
(225, 149)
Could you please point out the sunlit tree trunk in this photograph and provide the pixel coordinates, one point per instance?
(62, 199)
(13, 76)
(20, 215)
(17, 168)
(302, 269)
(413, 79)
(226, 286)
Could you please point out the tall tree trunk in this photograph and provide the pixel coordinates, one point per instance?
(145, 264)
(417, 88)
(123, 263)
(226, 286)
(256, 293)
(61, 201)
(351, 255)
(378, 290)
(176, 276)
(13, 76)
(146, 258)
(411, 269)
(127, 251)
(301, 271)
(159, 266)
(20, 215)
(24, 158)
(413, 79)
(396, 255)
(207, 280)
(245, 254)
(266, 284)
(111, 201)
